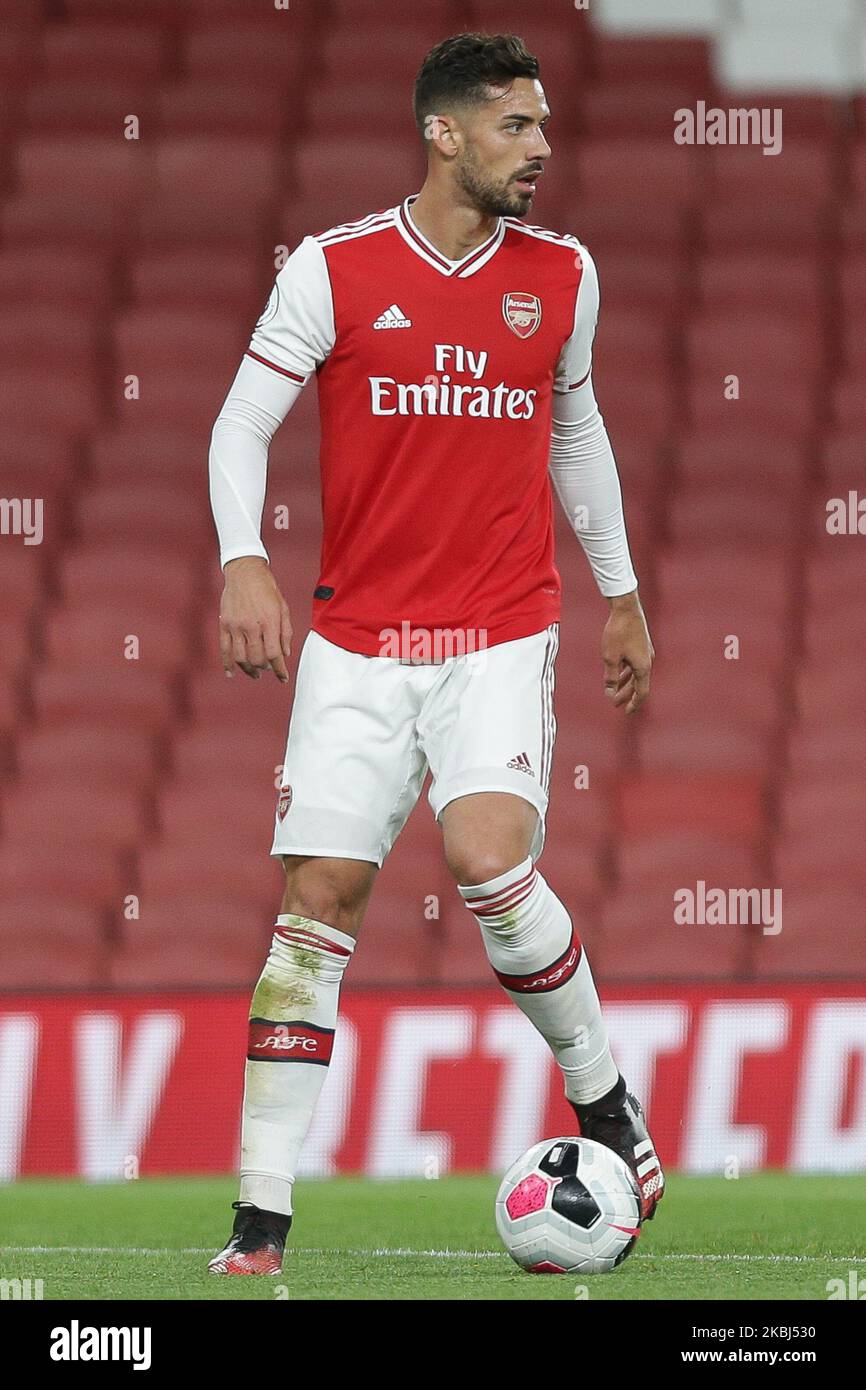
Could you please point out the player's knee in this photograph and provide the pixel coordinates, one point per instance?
(471, 865)
(333, 895)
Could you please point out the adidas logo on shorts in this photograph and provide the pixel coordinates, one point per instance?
(522, 764)
(393, 317)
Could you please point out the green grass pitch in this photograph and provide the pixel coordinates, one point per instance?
(766, 1236)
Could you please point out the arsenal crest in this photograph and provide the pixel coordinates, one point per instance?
(522, 313)
(284, 802)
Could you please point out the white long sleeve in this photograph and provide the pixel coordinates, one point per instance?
(291, 339)
(257, 404)
(584, 474)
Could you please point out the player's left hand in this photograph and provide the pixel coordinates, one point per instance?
(627, 653)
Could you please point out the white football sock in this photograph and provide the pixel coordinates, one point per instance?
(292, 1020)
(538, 958)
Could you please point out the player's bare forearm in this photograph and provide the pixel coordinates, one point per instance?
(627, 652)
(255, 627)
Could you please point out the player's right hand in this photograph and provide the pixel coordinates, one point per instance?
(255, 627)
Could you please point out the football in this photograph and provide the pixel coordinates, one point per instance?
(568, 1206)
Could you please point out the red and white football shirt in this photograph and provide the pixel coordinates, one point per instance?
(435, 382)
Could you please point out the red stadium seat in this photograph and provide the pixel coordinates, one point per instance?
(822, 935)
(99, 878)
(765, 345)
(177, 219)
(735, 573)
(154, 451)
(269, 53)
(705, 456)
(760, 512)
(187, 281)
(148, 338)
(858, 168)
(673, 860)
(805, 172)
(832, 749)
(191, 936)
(68, 409)
(32, 220)
(808, 116)
(635, 109)
(720, 804)
(618, 225)
(249, 878)
(103, 756)
(755, 225)
(388, 45)
(130, 52)
(65, 811)
(34, 338)
(849, 405)
(627, 59)
(85, 284)
(789, 407)
(97, 168)
(852, 226)
(146, 515)
(650, 282)
(391, 165)
(827, 689)
(677, 743)
(842, 458)
(20, 48)
(390, 953)
(117, 634)
(640, 940)
(154, 11)
(185, 165)
(42, 949)
(787, 284)
(822, 799)
(79, 106)
(820, 856)
(460, 956)
(88, 573)
(221, 107)
(138, 699)
(21, 579)
(667, 172)
(234, 817)
(576, 868)
(344, 106)
(198, 752)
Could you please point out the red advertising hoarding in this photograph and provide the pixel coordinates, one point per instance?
(427, 1082)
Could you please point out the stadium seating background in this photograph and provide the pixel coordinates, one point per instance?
(150, 258)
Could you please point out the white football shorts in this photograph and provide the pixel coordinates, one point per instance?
(365, 729)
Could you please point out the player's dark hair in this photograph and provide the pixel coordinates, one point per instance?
(461, 70)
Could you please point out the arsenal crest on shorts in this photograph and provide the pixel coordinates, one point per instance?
(522, 313)
(285, 801)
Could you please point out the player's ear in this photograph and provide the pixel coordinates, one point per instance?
(441, 132)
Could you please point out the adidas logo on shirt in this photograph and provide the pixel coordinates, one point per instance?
(522, 764)
(393, 317)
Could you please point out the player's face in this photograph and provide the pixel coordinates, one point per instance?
(503, 149)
